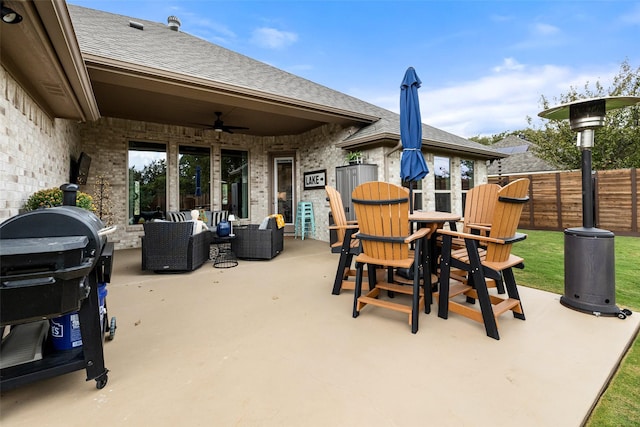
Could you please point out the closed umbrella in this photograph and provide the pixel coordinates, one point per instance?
(413, 167)
(198, 192)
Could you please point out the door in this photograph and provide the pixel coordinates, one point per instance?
(284, 191)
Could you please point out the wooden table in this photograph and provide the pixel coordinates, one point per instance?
(433, 217)
(436, 220)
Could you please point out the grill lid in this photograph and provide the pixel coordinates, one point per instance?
(60, 221)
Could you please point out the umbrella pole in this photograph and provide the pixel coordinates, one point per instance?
(410, 196)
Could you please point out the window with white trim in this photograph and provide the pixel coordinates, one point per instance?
(442, 180)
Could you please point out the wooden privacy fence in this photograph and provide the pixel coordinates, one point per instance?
(556, 200)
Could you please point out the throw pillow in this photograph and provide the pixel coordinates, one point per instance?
(264, 224)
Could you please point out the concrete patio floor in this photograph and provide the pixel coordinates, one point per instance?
(266, 344)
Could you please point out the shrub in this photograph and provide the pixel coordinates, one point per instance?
(53, 197)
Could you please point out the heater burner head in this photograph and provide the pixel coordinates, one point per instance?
(588, 113)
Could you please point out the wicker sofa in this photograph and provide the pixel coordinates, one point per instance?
(253, 243)
(172, 246)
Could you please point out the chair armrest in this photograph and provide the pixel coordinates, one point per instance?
(486, 228)
(478, 237)
(502, 241)
(420, 233)
(343, 227)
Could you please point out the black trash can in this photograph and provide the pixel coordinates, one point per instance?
(589, 271)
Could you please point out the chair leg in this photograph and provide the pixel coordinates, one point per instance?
(358, 288)
(343, 264)
(425, 262)
(415, 303)
(445, 266)
(480, 283)
(500, 286)
(512, 290)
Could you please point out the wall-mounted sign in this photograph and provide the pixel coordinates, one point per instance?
(315, 180)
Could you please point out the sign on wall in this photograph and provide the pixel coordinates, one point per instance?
(315, 180)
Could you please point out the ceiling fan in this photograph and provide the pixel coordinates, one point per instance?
(219, 125)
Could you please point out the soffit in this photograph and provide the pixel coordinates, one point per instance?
(42, 54)
(134, 93)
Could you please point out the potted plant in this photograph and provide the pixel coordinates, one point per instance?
(53, 197)
(354, 157)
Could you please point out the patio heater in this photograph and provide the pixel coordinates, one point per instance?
(589, 267)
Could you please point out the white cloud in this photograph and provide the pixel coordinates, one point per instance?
(509, 64)
(545, 29)
(271, 38)
(497, 102)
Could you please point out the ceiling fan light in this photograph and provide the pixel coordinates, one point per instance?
(217, 129)
(10, 16)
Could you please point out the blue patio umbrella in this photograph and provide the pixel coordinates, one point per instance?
(413, 167)
(198, 178)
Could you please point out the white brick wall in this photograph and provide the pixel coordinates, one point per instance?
(35, 150)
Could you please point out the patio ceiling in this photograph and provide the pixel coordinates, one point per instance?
(125, 92)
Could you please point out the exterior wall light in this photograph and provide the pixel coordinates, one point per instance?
(10, 16)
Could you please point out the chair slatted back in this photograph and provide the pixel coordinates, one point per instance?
(480, 204)
(506, 216)
(382, 210)
(337, 210)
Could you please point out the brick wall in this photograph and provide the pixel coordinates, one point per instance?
(35, 150)
(106, 141)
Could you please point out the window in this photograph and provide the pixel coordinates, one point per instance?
(147, 181)
(417, 193)
(194, 168)
(467, 178)
(442, 172)
(235, 182)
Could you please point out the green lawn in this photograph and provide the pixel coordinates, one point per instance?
(543, 252)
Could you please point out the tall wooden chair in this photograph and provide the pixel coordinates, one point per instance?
(382, 211)
(345, 244)
(478, 216)
(479, 207)
(486, 257)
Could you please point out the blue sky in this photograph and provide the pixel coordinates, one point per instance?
(483, 64)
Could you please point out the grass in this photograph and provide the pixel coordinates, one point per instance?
(543, 252)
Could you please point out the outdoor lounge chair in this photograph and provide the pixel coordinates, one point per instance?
(172, 246)
(382, 211)
(254, 242)
(485, 257)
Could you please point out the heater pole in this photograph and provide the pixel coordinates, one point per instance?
(587, 191)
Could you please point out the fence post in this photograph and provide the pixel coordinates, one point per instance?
(634, 201)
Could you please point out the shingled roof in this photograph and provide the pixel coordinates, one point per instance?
(108, 38)
(521, 158)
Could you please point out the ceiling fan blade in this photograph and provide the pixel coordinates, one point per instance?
(234, 127)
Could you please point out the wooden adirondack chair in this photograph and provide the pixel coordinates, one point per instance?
(478, 215)
(478, 210)
(382, 210)
(486, 257)
(345, 244)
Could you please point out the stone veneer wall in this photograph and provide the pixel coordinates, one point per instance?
(35, 150)
(106, 141)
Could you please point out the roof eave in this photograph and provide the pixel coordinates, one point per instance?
(59, 29)
(389, 138)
